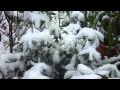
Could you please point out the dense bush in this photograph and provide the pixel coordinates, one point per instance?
(58, 44)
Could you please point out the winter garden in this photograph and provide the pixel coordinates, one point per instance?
(59, 45)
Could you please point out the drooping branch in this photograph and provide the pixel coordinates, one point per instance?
(111, 60)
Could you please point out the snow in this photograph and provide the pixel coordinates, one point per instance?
(51, 50)
(9, 56)
(69, 67)
(12, 66)
(84, 69)
(72, 28)
(5, 39)
(65, 20)
(104, 73)
(36, 18)
(113, 78)
(119, 39)
(15, 77)
(35, 36)
(93, 54)
(36, 72)
(83, 72)
(109, 67)
(70, 74)
(10, 13)
(2, 48)
(6, 64)
(77, 14)
(105, 17)
(73, 60)
(72, 63)
(90, 40)
(56, 57)
(90, 33)
(98, 15)
(15, 13)
(55, 29)
(41, 32)
(110, 60)
(68, 41)
(34, 75)
(92, 76)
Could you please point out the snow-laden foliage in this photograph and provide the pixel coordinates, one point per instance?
(54, 45)
(83, 72)
(37, 72)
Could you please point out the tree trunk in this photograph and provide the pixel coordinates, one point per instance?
(9, 19)
(10, 38)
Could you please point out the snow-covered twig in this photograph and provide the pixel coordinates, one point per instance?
(117, 63)
(110, 60)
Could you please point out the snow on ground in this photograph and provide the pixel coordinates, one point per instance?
(71, 73)
(92, 76)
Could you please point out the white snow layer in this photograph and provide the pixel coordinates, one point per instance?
(90, 40)
(7, 64)
(91, 76)
(84, 69)
(105, 17)
(71, 73)
(83, 72)
(2, 48)
(36, 72)
(109, 67)
(36, 17)
(72, 28)
(68, 41)
(72, 63)
(56, 57)
(77, 14)
(55, 29)
(90, 33)
(35, 36)
(93, 54)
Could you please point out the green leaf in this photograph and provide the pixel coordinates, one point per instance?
(85, 18)
(91, 20)
(110, 37)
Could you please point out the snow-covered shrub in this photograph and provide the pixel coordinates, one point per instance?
(53, 45)
(37, 72)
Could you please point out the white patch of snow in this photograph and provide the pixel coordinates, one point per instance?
(71, 73)
(72, 28)
(56, 57)
(77, 14)
(36, 72)
(84, 69)
(92, 76)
